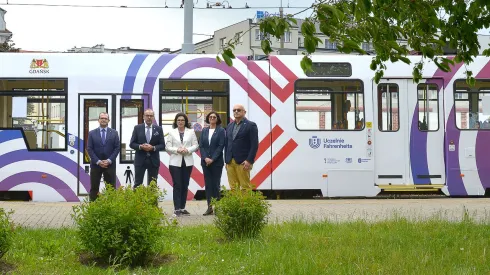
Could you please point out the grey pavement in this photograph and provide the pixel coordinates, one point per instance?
(55, 215)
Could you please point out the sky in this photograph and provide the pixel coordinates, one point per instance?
(38, 28)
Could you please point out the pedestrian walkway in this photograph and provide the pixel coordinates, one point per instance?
(55, 215)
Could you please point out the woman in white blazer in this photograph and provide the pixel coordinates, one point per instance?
(181, 144)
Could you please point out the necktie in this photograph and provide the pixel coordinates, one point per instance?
(103, 136)
(148, 134)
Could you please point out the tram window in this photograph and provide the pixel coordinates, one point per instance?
(195, 98)
(195, 107)
(92, 109)
(388, 107)
(329, 105)
(131, 111)
(428, 107)
(38, 107)
(471, 110)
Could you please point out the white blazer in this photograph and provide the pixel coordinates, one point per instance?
(173, 143)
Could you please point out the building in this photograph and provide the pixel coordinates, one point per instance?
(100, 48)
(250, 41)
(5, 34)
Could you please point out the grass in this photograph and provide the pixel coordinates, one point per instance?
(390, 247)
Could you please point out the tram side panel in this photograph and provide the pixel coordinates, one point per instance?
(324, 122)
(467, 132)
(34, 153)
(260, 109)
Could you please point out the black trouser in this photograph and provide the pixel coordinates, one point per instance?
(139, 172)
(180, 178)
(95, 176)
(212, 180)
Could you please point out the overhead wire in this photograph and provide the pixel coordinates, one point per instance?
(222, 7)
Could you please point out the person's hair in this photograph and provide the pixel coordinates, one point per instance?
(218, 119)
(187, 124)
(148, 109)
(104, 113)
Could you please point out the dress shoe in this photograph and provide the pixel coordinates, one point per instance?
(208, 212)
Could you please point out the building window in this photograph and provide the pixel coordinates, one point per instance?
(331, 105)
(330, 45)
(388, 108)
(472, 105)
(239, 37)
(222, 42)
(367, 46)
(259, 35)
(428, 107)
(287, 37)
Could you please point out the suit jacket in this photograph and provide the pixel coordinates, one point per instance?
(98, 151)
(173, 143)
(139, 137)
(246, 143)
(213, 150)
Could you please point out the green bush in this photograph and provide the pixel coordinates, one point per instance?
(241, 213)
(6, 232)
(123, 226)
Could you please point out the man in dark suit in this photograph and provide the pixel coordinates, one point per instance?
(147, 141)
(242, 143)
(103, 147)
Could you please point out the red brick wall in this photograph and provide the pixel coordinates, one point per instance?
(464, 121)
(322, 120)
(395, 121)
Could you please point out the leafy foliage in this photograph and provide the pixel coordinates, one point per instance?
(427, 26)
(8, 46)
(6, 232)
(124, 225)
(241, 213)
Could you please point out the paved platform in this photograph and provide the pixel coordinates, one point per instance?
(55, 215)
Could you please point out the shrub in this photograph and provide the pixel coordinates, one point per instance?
(124, 225)
(241, 213)
(6, 232)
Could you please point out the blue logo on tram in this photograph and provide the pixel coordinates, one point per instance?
(315, 142)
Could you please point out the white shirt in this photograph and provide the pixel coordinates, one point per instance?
(210, 135)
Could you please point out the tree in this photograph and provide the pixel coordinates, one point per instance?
(8, 46)
(427, 25)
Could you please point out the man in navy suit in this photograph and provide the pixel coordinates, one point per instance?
(147, 141)
(103, 147)
(242, 143)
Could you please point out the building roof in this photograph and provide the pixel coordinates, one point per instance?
(195, 44)
(24, 51)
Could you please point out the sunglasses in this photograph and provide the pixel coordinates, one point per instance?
(237, 110)
(213, 117)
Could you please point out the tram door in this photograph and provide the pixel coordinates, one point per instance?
(124, 114)
(409, 132)
(391, 132)
(195, 98)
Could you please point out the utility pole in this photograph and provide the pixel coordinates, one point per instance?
(188, 46)
(282, 37)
